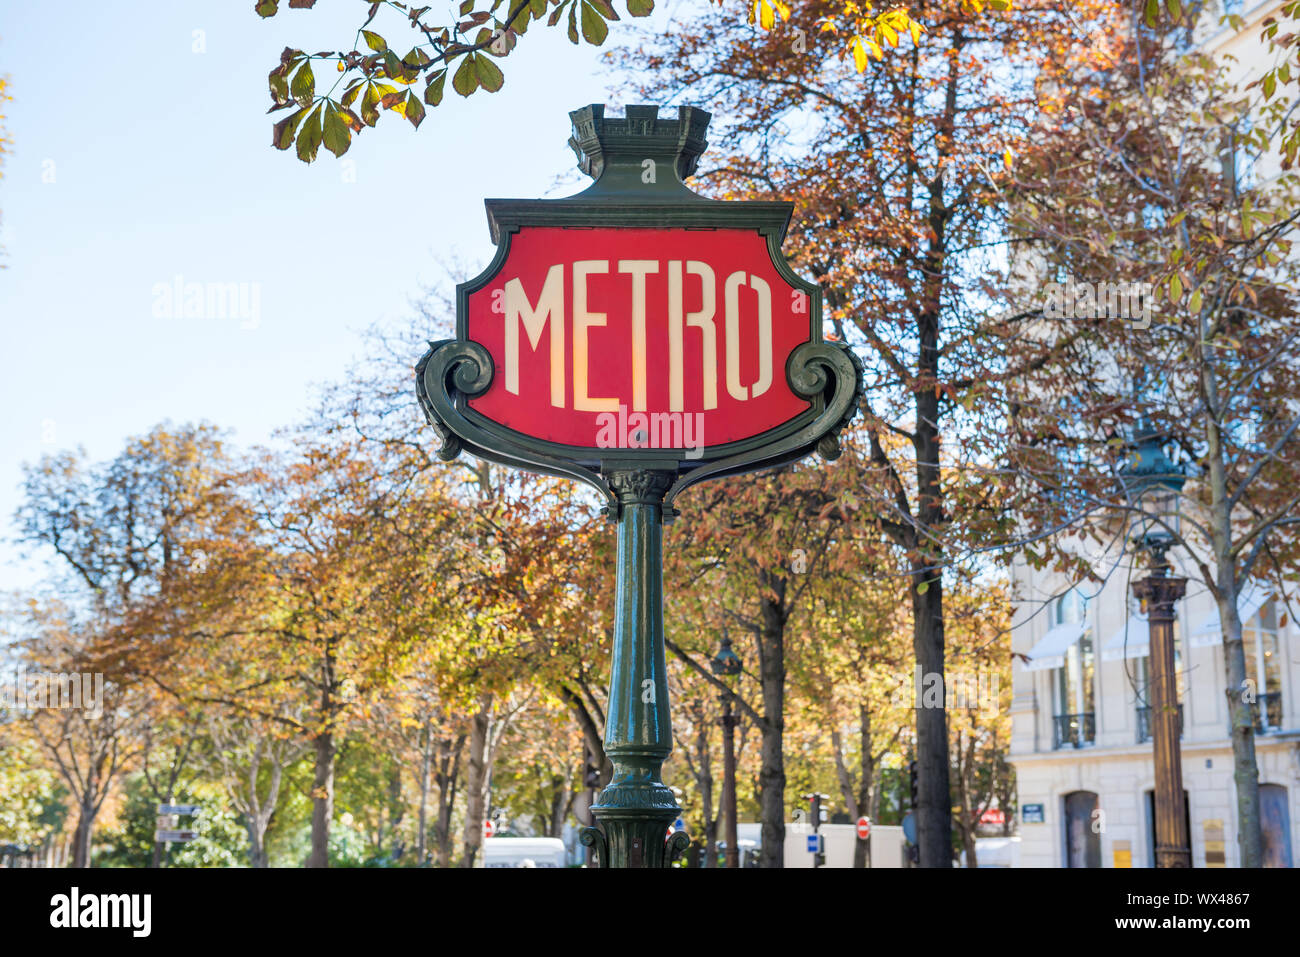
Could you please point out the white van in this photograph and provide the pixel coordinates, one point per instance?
(523, 852)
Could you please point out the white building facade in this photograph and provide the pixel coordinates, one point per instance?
(1080, 742)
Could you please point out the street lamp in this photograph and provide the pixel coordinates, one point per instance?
(1154, 487)
(726, 664)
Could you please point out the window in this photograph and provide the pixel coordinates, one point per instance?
(1075, 681)
(1264, 666)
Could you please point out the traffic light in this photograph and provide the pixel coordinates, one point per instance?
(815, 815)
(911, 782)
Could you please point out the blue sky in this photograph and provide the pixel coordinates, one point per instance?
(136, 159)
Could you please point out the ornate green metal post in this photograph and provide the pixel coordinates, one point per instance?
(639, 225)
(636, 808)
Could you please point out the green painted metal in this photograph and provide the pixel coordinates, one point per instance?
(639, 163)
(636, 808)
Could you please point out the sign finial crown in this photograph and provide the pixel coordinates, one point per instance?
(640, 153)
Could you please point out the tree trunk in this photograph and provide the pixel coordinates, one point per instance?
(1245, 770)
(561, 801)
(256, 841)
(476, 781)
(322, 794)
(449, 754)
(934, 810)
(425, 781)
(706, 794)
(771, 778)
(81, 839)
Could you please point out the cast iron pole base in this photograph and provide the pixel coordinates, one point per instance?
(637, 808)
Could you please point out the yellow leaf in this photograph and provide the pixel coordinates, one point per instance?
(915, 29)
(889, 33)
(1006, 158)
(875, 49)
(766, 15)
(859, 54)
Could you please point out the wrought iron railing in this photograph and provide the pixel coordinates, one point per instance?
(1144, 723)
(1074, 730)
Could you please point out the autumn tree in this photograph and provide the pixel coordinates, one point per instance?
(895, 172)
(1153, 176)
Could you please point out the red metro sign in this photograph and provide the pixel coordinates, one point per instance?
(639, 338)
(638, 325)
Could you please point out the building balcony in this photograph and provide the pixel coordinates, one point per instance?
(1144, 723)
(1074, 730)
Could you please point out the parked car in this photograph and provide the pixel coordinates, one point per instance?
(523, 852)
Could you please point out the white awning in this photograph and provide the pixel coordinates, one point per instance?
(1050, 651)
(1249, 602)
(1132, 640)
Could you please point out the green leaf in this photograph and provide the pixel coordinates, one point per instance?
(1175, 288)
(640, 8)
(336, 134)
(1152, 12)
(594, 28)
(309, 136)
(415, 59)
(1270, 84)
(465, 81)
(266, 8)
(1175, 9)
(375, 41)
(282, 132)
(1194, 303)
(414, 109)
(604, 8)
(489, 74)
(395, 69)
(466, 7)
(573, 21)
(303, 86)
(352, 92)
(370, 105)
(538, 7)
(433, 92)
(922, 588)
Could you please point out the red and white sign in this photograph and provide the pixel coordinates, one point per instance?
(489, 828)
(864, 828)
(993, 817)
(638, 337)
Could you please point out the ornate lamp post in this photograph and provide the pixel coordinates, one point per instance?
(726, 664)
(1154, 484)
